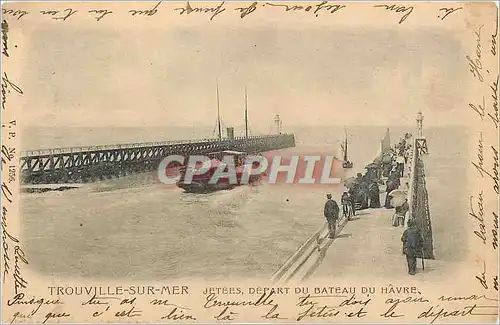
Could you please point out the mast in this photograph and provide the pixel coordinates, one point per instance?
(218, 112)
(345, 146)
(246, 114)
(345, 150)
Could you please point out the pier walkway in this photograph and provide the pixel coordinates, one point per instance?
(369, 243)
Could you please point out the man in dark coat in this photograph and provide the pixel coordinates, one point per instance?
(363, 196)
(347, 204)
(412, 246)
(362, 190)
(374, 195)
(331, 214)
(345, 200)
(390, 186)
(352, 197)
(395, 177)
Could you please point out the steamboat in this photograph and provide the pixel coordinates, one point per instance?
(206, 182)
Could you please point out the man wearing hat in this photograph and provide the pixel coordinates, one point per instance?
(412, 246)
(331, 214)
(345, 200)
(400, 165)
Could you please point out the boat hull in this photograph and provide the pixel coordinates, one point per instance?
(347, 164)
(205, 187)
(198, 187)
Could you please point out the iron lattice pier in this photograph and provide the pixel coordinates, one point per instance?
(88, 164)
(420, 211)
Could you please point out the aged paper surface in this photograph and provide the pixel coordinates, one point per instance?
(94, 96)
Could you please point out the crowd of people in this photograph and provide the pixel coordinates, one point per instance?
(363, 192)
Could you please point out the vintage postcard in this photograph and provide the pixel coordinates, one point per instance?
(249, 162)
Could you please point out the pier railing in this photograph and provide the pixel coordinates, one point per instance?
(418, 198)
(43, 152)
(411, 174)
(307, 257)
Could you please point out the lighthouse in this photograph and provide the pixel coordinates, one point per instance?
(420, 120)
(420, 141)
(278, 122)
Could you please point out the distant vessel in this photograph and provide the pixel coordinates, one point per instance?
(201, 182)
(385, 147)
(346, 163)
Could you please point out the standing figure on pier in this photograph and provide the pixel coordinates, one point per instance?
(331, 213)
(352, 198)
(401, 212)
(391, 185)
(386, 160)
(374, 194)
(377, 163)
(400, 161)
(394, 176)
(362, 191)
(347, 205)
(412, 246)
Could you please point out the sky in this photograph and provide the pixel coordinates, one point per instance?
(310, 76)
